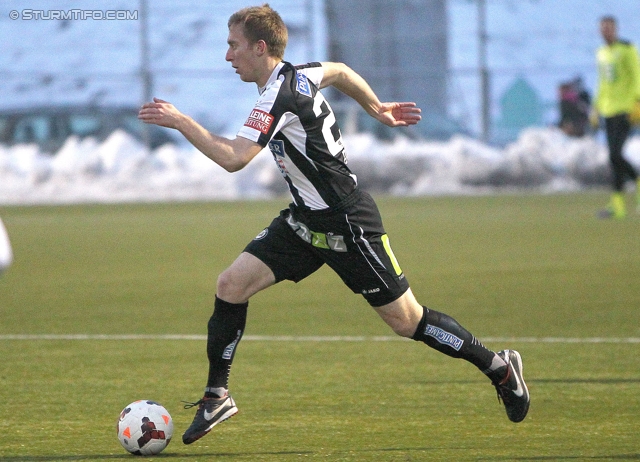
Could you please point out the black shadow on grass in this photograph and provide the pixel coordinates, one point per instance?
(449, 382)
(226, 455)
(159, 456)
(609, 457)
(54, 458)
(604, 381)
(277, 453)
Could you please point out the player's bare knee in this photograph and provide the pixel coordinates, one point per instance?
(403, 329)
(402, 315)
(400, 325)
(228, 288)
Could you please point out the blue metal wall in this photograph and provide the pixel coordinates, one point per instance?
(399, 46)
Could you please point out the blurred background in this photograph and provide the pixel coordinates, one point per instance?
(484, 72)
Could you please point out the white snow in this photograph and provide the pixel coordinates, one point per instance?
(121, 170)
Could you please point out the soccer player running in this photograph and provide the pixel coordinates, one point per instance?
(618, 93)
(330, 221)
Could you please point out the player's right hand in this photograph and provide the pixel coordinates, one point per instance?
(160, 112)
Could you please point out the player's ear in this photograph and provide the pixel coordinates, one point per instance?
(261, 47)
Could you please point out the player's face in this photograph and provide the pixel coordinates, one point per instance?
(608, 31)
(242, 55)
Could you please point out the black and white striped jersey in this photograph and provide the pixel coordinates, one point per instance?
(292, 117)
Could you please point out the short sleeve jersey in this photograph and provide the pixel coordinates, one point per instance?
(293, 118)
(618, 78)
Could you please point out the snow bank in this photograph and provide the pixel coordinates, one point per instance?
(120, 169)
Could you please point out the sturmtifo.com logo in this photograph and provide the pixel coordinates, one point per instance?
(75, 14)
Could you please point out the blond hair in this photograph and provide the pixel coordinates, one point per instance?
(262, 23)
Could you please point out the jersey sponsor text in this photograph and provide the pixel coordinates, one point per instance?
(302, 84)
(259, 120)
(444, 337)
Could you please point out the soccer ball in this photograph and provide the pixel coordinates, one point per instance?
(144, 428)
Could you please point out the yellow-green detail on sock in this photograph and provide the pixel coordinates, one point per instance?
(618, 207)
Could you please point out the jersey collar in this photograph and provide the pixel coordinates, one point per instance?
(272, 78)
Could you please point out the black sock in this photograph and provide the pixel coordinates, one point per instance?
(225, 330)
(444, 334)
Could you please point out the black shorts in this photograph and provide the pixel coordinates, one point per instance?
(349, 238)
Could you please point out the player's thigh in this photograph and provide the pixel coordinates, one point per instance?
(246, 276)
(287, 256)
(370, 269)
(403, 314)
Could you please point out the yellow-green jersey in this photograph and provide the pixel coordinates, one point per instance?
(618, 78)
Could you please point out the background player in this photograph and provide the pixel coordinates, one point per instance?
(618, 92)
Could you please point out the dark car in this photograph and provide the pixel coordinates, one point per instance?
(50, 126)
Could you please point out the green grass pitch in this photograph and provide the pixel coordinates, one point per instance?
(538, 273)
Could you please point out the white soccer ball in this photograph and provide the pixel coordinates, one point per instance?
(144, 428)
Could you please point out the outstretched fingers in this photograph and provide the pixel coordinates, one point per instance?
(399, 114)
(159, 112)
(407, 112)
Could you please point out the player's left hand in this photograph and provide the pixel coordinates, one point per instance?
(398, 114)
